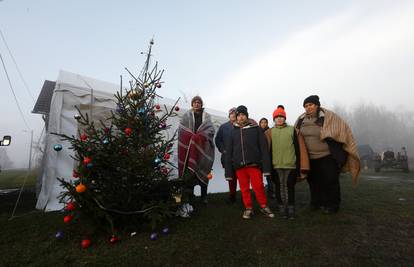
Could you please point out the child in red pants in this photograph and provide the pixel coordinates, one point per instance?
(246, 156)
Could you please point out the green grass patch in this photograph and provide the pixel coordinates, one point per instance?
(375, 227)
(15, 178)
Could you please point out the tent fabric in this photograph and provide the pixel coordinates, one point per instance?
(76, 90)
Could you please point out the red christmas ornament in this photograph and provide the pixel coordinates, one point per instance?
(177, 108)
(83, 137)
(158, 84)
(67, 218)
(164, 170)
(166, 156)
(86, 243)
(75, 174)
(157, 106)
(113, 239)
(128, 131)
(70, 206)
(87, 160)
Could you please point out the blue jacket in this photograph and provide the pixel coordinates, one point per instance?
(221, 139)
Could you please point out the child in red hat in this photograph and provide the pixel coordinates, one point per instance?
(286, 146)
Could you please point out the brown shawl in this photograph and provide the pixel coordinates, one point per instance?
(336, 128)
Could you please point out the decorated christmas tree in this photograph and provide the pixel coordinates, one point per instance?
(123, 174)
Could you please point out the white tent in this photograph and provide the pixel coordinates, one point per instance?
(96, 97)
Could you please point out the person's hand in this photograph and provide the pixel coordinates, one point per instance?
(302, 177)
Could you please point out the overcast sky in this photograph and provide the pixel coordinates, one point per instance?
(256, 53)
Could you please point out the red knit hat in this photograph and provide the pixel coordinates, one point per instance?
(279, 112)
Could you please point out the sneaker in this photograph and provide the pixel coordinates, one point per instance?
(291, 212)
(247, 214)
(182, 212)
(267, 212)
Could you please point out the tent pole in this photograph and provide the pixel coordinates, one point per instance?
(27, 175)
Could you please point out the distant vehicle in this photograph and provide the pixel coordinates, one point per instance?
(389, 160)
(6, 140)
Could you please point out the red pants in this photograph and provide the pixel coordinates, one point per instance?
(254, 175)
(233, 187)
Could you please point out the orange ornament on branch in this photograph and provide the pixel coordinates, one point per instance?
(80, 188)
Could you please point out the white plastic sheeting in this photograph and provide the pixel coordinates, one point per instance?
(76, 90)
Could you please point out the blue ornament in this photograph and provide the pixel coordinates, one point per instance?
(105, 141)
(89, 165)
(165, 231)
(119, 109)
(57, 147)
(59, 234)
(153, 236)
(157, 160)
(141, 111)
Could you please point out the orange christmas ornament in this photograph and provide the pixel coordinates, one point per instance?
(80, 188)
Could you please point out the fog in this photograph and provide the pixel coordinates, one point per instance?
(357, 56)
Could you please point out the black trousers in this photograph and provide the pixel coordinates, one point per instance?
(191, 182)
(323, 181)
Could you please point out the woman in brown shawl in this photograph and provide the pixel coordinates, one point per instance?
(331, 148)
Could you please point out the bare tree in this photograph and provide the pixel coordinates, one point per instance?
(379, 127)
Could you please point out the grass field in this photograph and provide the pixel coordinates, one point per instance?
(375, 227)
(14, 178)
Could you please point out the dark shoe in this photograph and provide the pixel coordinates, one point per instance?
(204, 200)
(314, 207)
(330, 211)
(282, 211)
(291, 212)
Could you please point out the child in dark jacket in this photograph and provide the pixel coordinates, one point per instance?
(246, 157)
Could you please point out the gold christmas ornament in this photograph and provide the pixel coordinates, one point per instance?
(177, 198)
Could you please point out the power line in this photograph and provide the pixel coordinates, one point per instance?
(11, 87)
(17, 67)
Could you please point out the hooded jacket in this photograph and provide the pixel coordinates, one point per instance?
(246, 146)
